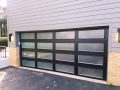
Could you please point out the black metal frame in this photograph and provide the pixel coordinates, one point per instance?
(75, 52)
(118, 34)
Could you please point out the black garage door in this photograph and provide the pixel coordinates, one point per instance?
(79, 51)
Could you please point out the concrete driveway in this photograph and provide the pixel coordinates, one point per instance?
(12, 78)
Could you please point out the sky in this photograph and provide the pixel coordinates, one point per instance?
(3, 3)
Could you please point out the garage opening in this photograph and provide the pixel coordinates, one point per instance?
(79, 51)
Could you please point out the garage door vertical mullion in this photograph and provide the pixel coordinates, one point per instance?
(54, 36)
(36, 50)
(76, 52)
(20, 49)
(106, 53)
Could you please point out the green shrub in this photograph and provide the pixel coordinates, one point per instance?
(3, 41)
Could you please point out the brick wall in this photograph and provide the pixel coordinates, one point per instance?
(14, 57)
(114, 68)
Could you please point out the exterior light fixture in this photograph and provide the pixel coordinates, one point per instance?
(119, 35)
(10, 37)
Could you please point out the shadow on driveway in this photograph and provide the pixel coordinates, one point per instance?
(12, 78)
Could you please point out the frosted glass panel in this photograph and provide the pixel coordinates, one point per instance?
(65, 35)
(44, 35)
(65, 57)
(65, 68)
(28, 63)
(91, 34)
(90, 72)
(28, 45)
(91, 47)
(65, 46)
(45, 65)
(45, 55)
(28, 54)
(90, 59)
(44, 45)
(27, 36)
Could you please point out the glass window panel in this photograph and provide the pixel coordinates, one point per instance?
(65, 46)
(91, 34)
(45, 55)
(65, 68)
(44, 35)
(91, 47)
(28, 63)
(65, 35)
(45, 65)
(44, 46)
(28, 45)
(90, 59)
(27, 36)
(28, 54)
(90, 72)
(65, 57)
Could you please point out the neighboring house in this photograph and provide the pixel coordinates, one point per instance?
(3, 13)
(73, 36)
(3, 22)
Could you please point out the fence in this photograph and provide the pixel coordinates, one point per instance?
(3, 52)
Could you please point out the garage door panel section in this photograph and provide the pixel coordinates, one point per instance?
(28, 63)
(91, 34)
(65, 57)
(45, 65)
(65, 35)
(47, 35)
(45, 55)
(94, 47)
(65, 46)
(27, 35)
(91, 59)
(75, 51)
(67, 68)
(90, 72)
(29, 54)
(46, 45)
(29, 45)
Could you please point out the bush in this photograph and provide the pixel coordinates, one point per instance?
(3, 41)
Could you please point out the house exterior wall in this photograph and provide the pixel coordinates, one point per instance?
(29, 15)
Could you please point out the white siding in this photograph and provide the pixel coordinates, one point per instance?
(26, 15)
